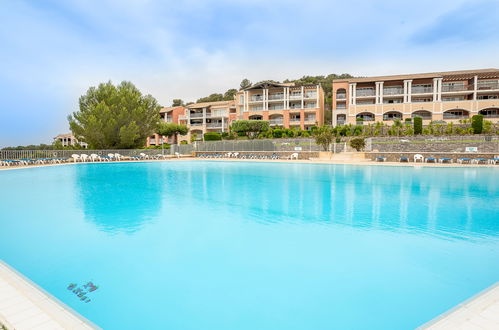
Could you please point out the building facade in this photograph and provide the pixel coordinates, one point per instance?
(168, 115)
(206, 117)
(68, 139)
(284, 105)
(441, 96)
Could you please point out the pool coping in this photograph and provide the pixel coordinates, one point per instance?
(364, 162)
(469, 312)
(28, 296)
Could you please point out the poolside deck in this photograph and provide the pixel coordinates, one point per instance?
(479, 312)
(23, 305)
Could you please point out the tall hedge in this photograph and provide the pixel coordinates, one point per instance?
(212, 136)
(477, 124)
(418, 125)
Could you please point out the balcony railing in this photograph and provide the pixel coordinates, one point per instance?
(295, 97)
(276, 97)
(341, 96)
(310, 118)
(294, 120)
(456, 88)
(488, 86)
(276, 108)
(450, 116)
(341, 106)
(393, 91)
(196, 124)
(392, 117)
(196, 115)
(256, 98)
(276, 122)
(215, 125)
(310, 95)
(340, 122)
(365, 92)
(421, 90)
(424, 117)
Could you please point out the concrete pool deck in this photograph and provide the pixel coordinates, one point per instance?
(24, 305)
(478, 312)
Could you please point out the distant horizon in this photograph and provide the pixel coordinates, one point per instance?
(190, 50)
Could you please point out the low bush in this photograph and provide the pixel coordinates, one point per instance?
(418, 125)
(212, 136)
(358, 143)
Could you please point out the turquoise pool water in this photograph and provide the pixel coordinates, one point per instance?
(222, 245)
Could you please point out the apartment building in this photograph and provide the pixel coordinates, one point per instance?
(68, 139)
(440, 96)
(284, 105)
(206, 117)
(168, 115)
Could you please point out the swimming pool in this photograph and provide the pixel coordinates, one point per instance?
(246, 245)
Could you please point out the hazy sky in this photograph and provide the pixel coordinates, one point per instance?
(52, 51)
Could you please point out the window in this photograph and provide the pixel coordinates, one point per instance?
(393, 101)
(241, 99)
(487, 97)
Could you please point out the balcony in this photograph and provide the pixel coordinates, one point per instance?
(364, 93)
(295, 96)
(276, 108)
(196, 115)
(456, 88)
(196, 124)
(341, 96)
(276, 121)
(422, 90)
(340, 122)
(217, 115)
(310, 95)
(256, 99)
(310, 118)
(341, 106)
(452, 116)
(294, 120)
(393, 91)
(276, 97)
(215, 125)
(488, 86)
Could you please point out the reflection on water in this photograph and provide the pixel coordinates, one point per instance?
(119, 198)
(457, 202)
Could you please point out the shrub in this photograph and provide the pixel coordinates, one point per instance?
(183, 142)
(277, 133)
(418, 125)
(324, 137)
(358, 143)
(477, 124)
(212, 136)
(408, 120)
(250, 128)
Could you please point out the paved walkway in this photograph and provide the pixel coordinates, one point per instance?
(23, 305)
(479, 312)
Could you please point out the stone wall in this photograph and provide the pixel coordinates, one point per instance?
(301, 154)
(395, 156)
(456, 144)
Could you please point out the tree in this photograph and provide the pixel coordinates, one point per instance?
(245, 83)
(250, 128)
(358, 143)
(418, 125)
(171, 129)
(229, 94)
(177, 103)
(114, 117)
(324, 136)
(212, 98)
(477, 124)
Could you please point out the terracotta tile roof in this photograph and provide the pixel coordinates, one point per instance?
(168, 109)
(211, 104)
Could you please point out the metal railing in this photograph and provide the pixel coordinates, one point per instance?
(66, 154)
(267, 145)
(256, 98)
(341, 96)
(456, 88)
(369, 92)
(421, 90)
(276, 97)
(196, 115)
(488, 86)
(393, 91)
